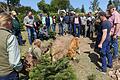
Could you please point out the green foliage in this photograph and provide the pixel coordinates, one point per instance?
(54, 6)
(43, 6)
(47, 70)
(116, 3)
(3, 6)
(24, 10)
(21, 17)
(14, 2)
(94, 5)
(59, 4)
(77, 10)
(52, 34)
(92, 77)
(83, 9)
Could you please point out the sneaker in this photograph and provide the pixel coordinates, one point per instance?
(102, 70)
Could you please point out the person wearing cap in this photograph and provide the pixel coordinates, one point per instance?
(115, 30)
(104, 42)
(9, 51)
(16, 27)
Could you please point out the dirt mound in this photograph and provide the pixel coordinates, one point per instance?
(114, 73)
(60, 46)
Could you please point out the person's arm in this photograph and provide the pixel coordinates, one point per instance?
(117, 25)
(14, 53)
(116, 30)
(26, 23)
(103, 38)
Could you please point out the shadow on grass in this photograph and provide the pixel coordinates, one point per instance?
(94, 59)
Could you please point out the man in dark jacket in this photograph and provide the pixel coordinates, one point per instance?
(16, 27)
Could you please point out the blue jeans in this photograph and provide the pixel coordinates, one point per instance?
(70, 28)
(48, 28)
(54, 27)
(106, 54)
(61, 30)
(19, 36)
(114, 43)
(31, 35)
(77, 33)
(11, 76)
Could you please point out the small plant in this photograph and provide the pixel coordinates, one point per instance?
(47, 70)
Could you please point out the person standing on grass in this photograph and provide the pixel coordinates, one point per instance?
(84, 25)
(77, 25)
(61, 25)
(29, 23)
(67, 22)
(104, 44)
(54, 23)
(9, 52)
(16, 27)
(90, 21)
(47, 21)
(115, 31)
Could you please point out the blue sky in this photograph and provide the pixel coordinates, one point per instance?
(75, 3)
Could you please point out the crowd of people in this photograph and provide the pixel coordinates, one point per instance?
(69, 23)
(107, 29)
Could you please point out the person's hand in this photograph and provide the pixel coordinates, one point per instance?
(100, 46)
(114, 36)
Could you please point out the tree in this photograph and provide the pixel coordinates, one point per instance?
(3, 7)
(94, 5)
(83, 9)
(48, 70)
(24, 9)
(71, 8)
(9, 5)
(116, 3)
(77, 10)
(43, 6)
(60, 4)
